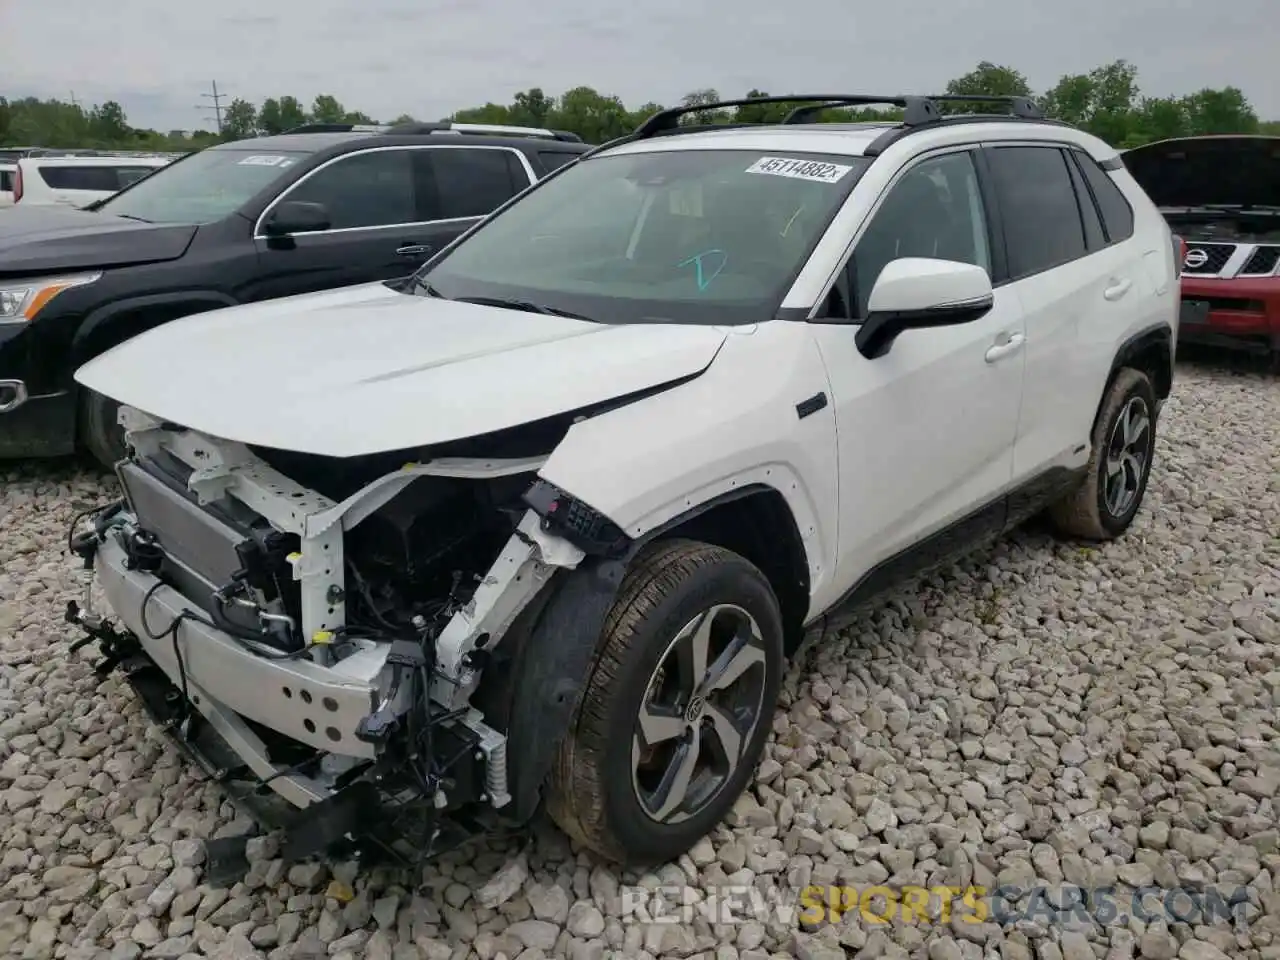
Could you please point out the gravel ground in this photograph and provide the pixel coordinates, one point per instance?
(1045, 714)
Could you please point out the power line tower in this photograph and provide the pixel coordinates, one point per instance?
(216, 106)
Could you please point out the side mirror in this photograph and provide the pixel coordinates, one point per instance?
(296, 216)
(916, 292)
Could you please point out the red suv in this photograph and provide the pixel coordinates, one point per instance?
(1221, 194)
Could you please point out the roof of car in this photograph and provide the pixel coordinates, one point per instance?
(860, 139)
(315, 140)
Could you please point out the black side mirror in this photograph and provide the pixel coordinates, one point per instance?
(913, 293)
(297, 216)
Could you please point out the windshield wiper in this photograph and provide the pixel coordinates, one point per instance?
(130, 216)
(528, 306)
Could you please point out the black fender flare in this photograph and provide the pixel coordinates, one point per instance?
(1159, 336)
(549, 674)
(109, 324)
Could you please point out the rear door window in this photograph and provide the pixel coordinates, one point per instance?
(1038, 206)
(6, 181)
(472, 182)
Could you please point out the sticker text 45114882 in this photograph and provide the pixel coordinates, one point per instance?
(818, 170)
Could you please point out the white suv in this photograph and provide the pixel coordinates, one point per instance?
(78, 181)
(544, 522)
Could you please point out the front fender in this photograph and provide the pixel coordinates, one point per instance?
(116, 321)
(750, 420)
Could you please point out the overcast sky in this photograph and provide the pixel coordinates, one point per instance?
(430, 57)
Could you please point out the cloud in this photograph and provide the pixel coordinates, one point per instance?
(388, 57)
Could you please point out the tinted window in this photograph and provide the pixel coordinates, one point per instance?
(554, 159)
(685, 236)
(6, 180)
(472, 183)
(103, 179)
(1117, 215)
(128, 175)
(1093, 236)
(369, 189)
(934, 210)
(1038, 206)
(203, 187)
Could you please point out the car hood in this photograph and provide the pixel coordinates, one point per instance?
(49, 238)
(1203, 171)
(367, 370)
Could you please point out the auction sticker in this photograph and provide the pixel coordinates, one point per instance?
(817, 170)
(264, 161)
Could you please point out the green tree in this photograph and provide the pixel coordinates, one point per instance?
(240, 121)
(1219, 111)
(531, 108)
(987, 79)
(326, 109)
(1103, 101)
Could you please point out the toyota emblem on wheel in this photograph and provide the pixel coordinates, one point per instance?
(1195, 259)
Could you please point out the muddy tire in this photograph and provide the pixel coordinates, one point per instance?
(100, 435)
(677, 707)
(1104, 505)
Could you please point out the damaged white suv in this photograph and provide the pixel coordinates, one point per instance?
(540, 525)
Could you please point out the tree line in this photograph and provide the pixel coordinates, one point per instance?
(1105, 101)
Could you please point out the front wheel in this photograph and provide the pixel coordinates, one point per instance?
(1124, 441)
(677, 707)
(101, 435)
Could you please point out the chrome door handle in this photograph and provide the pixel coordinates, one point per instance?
(1117, 289)
(412, 249)
(1006, 347)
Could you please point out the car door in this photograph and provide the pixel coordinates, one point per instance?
(926, 431)
(372, 198)
(390, 210)
(1067, 278)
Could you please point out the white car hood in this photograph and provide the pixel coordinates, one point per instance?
(366, 370)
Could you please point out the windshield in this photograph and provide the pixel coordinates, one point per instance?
(688, 236)
(203, 187)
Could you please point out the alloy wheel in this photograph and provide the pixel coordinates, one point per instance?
(1128, 451)
(702, 703)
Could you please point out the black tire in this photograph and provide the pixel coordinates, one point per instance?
(101, 436)
(1092, 511)
(594, 790)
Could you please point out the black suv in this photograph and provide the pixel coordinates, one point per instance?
(319, 207)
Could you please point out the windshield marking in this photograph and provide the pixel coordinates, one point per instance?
(265, 161)
(696, 260)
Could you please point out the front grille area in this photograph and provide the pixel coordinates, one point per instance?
(1262, 263)
(1216, 256)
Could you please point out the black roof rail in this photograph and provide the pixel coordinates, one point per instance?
(918, 111)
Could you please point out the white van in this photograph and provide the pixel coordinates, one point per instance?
(78, 181)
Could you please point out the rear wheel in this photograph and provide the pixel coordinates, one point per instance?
(100, 435)
(1124, 437)
(678, 706)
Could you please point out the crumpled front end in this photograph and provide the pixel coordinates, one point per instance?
(319, 648)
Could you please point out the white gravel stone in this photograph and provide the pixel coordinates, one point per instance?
(1040, 715)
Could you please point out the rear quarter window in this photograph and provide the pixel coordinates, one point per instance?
(1117, 215)
(6, 181)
